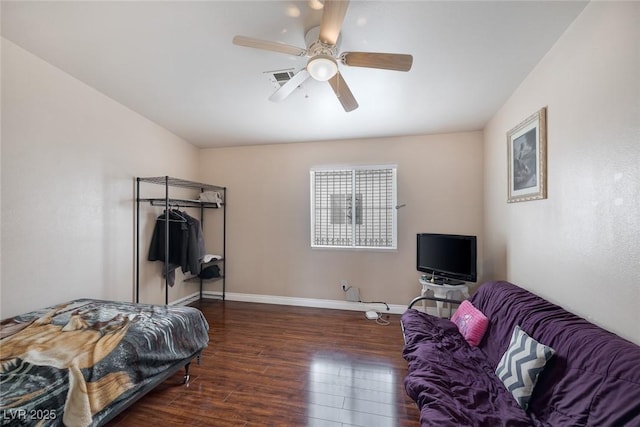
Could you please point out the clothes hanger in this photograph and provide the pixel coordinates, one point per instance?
(179, 213)
(174, 213)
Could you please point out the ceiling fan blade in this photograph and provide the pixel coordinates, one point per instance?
(268, 45)
(332, 19)
(343, 93)
(290, 86)
(386, 61)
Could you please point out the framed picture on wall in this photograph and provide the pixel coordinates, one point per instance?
(527, 159)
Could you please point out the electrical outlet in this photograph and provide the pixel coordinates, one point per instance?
(344, 285)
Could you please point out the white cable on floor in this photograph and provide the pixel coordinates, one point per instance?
(379, 320)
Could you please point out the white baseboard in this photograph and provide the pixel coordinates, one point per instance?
(186, 300)
(300, 302)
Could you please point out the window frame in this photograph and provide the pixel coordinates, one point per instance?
(353, 169)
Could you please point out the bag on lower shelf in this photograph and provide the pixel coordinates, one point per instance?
(210, 272)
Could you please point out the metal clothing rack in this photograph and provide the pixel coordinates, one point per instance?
(168, 202)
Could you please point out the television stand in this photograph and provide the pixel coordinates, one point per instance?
(442, 289)
(444, 281)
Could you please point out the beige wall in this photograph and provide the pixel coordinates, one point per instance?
(69, 156)
(580, 247)
(439, 179)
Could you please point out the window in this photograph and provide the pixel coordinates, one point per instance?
(354, 207)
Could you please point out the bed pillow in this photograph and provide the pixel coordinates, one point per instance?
(521, 365)
(471, 323)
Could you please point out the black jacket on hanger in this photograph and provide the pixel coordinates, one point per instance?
(178, 240)
(186, 242)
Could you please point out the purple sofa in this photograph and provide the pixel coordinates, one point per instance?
(592, 380)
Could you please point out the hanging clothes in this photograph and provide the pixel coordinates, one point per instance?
(195, 246)
(186, 243)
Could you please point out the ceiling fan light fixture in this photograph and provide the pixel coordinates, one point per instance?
(322, 67)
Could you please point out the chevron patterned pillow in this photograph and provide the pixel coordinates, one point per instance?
(521, 364)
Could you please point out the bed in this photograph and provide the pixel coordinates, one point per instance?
(83, 362)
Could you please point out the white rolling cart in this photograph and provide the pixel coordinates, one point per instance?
(442, 290)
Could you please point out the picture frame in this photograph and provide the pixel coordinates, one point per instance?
(527, 159)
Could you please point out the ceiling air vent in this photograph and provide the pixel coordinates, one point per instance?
(279, 77)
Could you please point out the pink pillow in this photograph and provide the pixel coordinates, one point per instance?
(471, 323)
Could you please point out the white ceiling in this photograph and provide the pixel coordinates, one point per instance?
(174, 63)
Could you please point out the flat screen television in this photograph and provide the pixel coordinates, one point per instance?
(447, 258)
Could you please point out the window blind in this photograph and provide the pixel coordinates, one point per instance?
(354, 207)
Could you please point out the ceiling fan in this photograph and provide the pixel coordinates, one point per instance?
(322, 45)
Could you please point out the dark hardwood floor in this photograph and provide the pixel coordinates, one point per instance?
(270, 365)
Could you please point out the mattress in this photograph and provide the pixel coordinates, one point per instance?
(76, 363)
